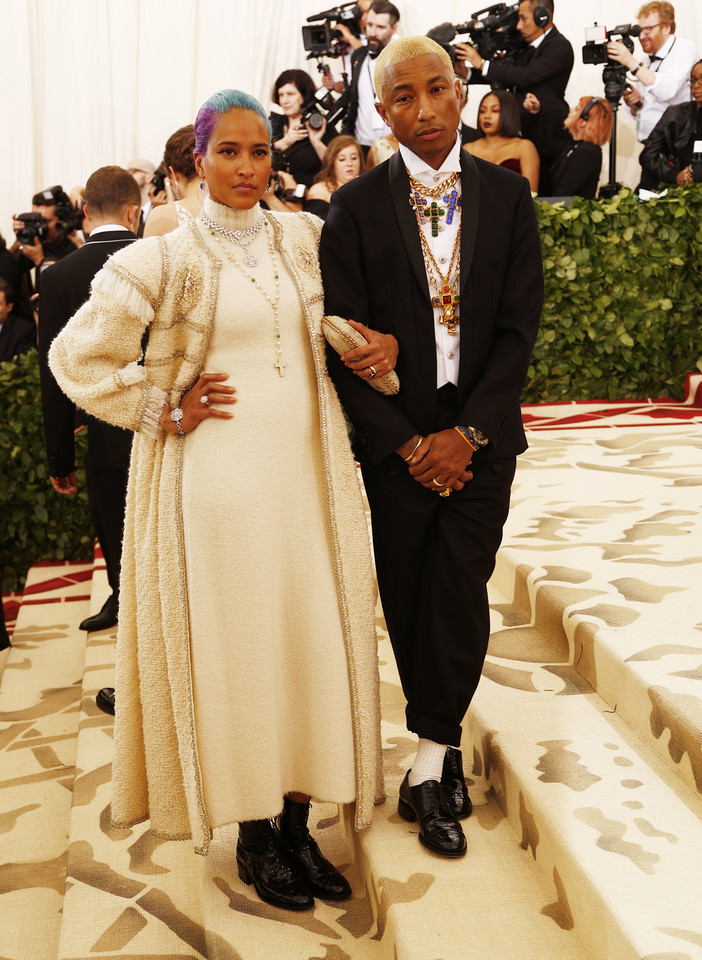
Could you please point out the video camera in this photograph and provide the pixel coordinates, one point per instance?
(69, 218)
(597, 38)
(322, 40)
(493, 31)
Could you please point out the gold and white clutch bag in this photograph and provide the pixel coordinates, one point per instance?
(342, 337)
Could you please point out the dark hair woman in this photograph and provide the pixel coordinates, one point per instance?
(500, 142)
(179, 161)
(247, 660)
(667, 154)
(301, 145)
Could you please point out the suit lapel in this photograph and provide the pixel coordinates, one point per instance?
(400, 190)
(470, 202)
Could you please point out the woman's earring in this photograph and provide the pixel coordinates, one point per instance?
(202, 183)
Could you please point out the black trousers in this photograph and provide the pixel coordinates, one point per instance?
(107, 495)
(434, 556)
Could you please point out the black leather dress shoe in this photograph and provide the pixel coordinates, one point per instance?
(105, 619)
(261, 861)
(321, 876)
(439, 830)
(106, 700)
(454, 784)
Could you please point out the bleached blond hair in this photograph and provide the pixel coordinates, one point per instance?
(405, 48)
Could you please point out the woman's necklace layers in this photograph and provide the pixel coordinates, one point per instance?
(244, 238)
(423, 201)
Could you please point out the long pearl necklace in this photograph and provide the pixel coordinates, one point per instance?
(273, 301)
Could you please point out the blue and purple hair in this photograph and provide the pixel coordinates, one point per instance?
(215, 106)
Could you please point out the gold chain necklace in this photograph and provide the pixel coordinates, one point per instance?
(446, 299)
(274, 301)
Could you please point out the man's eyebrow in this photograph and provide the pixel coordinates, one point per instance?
(409, 84)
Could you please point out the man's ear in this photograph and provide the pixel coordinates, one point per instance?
(383, 113)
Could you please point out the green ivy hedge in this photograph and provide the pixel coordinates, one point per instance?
(621, 320)
(621, 316)
(36, 523)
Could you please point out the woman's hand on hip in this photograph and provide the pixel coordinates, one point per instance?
(196, 404)
(379, 353)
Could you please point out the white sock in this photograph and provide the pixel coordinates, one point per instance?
(428, 763)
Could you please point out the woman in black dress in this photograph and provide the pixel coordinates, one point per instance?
(300, 145)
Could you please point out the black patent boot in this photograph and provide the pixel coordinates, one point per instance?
(322, 877)
(276, 879)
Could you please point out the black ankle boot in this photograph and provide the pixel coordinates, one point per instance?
(321, 876)
(260, 861)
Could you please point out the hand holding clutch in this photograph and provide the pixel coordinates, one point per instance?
(344, 338)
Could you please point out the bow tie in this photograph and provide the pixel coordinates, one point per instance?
(654, 56)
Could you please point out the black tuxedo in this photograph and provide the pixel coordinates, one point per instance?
(543, 71)
(434, 555)
(17, 335)
(357, 60)
(65, 288)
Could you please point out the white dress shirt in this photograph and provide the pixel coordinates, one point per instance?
(369, 123)
(448, 346)
(672, 65)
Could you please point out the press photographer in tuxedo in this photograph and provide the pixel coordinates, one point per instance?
(542, 67)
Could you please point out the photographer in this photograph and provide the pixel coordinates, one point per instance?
(301, 143)
(363, 122)
(542, 67)
(667, 154)
(661, 79)
(49, 233)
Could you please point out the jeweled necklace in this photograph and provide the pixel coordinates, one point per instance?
(273, 301)
(242, 238)
(423, 201)
(446, 300)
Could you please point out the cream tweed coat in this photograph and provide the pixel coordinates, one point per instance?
(169, 284)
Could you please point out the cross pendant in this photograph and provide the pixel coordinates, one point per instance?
(280, 366)
(447, 301)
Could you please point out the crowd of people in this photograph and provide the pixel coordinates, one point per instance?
(188, 327)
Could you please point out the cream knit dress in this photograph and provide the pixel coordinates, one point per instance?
(270, 681)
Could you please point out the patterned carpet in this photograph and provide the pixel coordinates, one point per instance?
(584, 749)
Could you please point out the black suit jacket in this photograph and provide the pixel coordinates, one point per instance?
(543, 71)
(668, 149)
(65, 286)
(373, 271)
(17, 335)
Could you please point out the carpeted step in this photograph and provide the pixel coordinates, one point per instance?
(603, 553)
(39, 699)
(616, 830)
(492, 904)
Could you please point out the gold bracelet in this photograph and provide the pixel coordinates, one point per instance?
(407, 459)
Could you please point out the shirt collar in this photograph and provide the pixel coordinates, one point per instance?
(107, 226)
(535, 43)
(665, 49)
(427, 175)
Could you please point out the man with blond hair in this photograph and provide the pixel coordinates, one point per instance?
(662, 78)
(442, 250)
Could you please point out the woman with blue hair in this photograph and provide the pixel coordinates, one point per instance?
(246, 676)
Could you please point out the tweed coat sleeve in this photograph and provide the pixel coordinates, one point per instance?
(95, 358)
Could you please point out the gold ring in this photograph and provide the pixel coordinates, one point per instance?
(372, 371)
(445, 493)
(437, 483)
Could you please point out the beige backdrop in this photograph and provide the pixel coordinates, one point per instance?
(90, 82)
